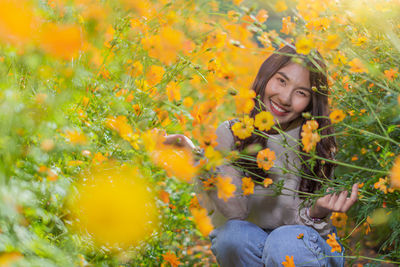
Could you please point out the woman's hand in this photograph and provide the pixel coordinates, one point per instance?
(337, 202)
(179, 140)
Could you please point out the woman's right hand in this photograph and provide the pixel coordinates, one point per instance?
(179, 140)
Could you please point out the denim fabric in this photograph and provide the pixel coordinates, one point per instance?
(241, 243)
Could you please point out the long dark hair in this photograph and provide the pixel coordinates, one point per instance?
(325, 148)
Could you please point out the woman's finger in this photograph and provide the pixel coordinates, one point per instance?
(333, 200)
(353, 198)
(340, 201)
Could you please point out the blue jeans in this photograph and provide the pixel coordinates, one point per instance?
(241, 243)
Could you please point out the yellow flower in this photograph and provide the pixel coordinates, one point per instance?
(357, 66)
(9, 258)
(280, 6)
(266, 154)
(247, 186)
(339, 219)
(171, 258)
(337, 116)
(391, 74)
(309, 137)
(395, 174)
(75, 137)
(244, 128)
(202, 221)
(64, 41)
(267, 182)
(289, 262)
(304, 45)
(333, 243)
(332, 42)
(114, 205)
(225, 188)
(121, 126)
(214, 157)
(264, 121)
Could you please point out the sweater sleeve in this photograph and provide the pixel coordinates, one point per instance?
(323, 227)
(235, 207)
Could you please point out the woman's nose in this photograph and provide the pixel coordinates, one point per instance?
(285, 97)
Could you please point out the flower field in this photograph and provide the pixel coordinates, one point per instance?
(90, 88)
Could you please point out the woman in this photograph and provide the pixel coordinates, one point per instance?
(263, 228)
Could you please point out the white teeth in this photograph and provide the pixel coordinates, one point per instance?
(277, 108)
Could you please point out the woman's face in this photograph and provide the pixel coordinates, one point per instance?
(288, 93)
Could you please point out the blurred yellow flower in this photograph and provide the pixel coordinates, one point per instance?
(121, 126)
(280, 6)
(262, 15)
(339, 219)
(173, 91)
(382, 185)
(357, 66)
(63, 41)
(75, 137)
(114, 205)
(391, 74)
(244, 128)
(17, 22)
(244, 101)
(225, 188)
(264, 121)
(395, 174)
(332, 42)
(9, 258)
(333, 243)
(247, 186)
(265, 159)
(214, 157)
(337, 116)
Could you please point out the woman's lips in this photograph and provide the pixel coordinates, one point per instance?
(274, 109)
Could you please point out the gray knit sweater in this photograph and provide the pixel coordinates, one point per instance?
(262, 208)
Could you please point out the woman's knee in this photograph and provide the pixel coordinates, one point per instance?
(236, 236)
(299, 241)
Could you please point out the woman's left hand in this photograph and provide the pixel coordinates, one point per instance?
(336, 202)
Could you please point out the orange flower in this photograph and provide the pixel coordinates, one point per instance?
(395, 174)
(176, 162)
(382, 185)
(247, 186)
(337, 116)
(202, 221)
(171, 258)
(17, 21)
(262, 15)
(339, 219)
(64, 41)
(333, 243)
(287, 25)
(289, 262)
(309, 137)
(300, 236)
(357, 66)
(267, 182)
(266, 154)
(225, 188)
(391, 74)
(154, 75)
(264, 121)
(244, 128)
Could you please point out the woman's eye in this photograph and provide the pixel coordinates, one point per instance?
(282, 81)
(302, 93)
